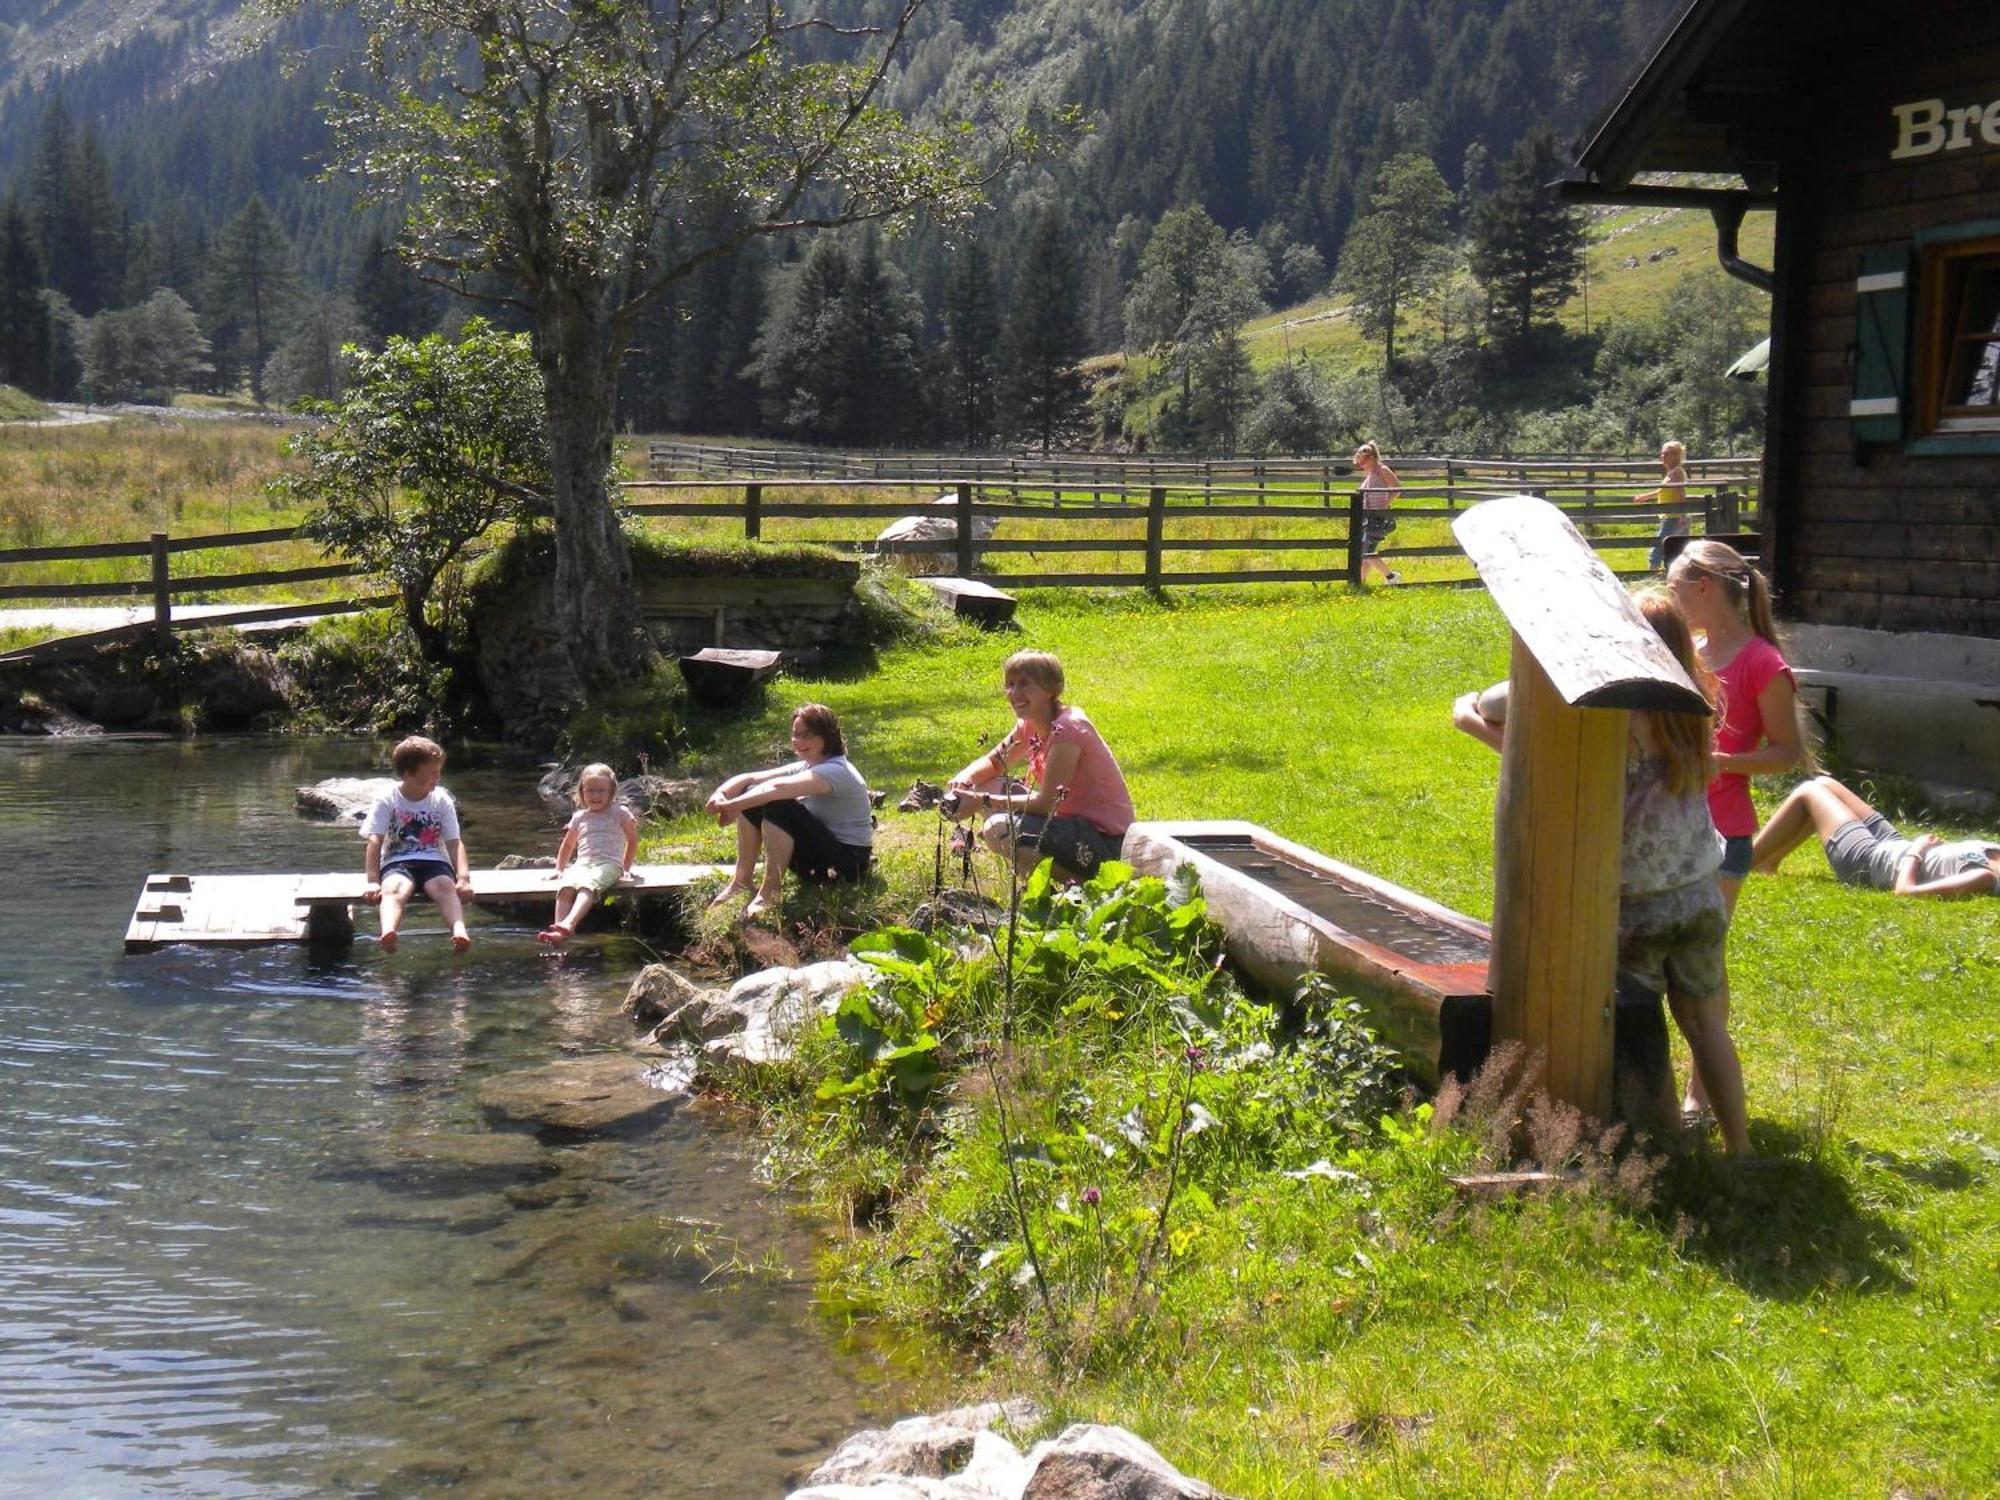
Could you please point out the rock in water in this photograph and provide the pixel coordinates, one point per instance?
(343, 799)
(610, 1091)
(646, 795)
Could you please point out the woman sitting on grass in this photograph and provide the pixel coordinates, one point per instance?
(1864, 848)
(810, 816)
(1076, 809)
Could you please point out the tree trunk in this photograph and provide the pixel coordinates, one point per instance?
(603, 635)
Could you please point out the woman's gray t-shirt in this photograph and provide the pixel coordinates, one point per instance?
(844, 808)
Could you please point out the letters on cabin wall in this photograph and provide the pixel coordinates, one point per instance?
(1928, 126)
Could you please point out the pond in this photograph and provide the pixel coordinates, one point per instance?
(257, 1236)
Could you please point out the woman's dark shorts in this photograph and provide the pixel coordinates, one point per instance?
(421, 871)
(1074, 843)
(816, 853)
(1736, 856)
(1375, 525)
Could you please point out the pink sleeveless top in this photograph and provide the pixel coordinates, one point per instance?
(1096, 791)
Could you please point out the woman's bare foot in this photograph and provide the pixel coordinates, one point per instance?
(727, 894)
(388, 940)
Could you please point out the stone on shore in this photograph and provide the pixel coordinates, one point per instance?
(1092, 1462)
(758, 1019)
(940, 1446)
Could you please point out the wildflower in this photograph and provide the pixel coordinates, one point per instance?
(1092, 1197)
(1193, 1055)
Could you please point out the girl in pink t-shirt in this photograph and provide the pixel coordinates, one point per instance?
(1729, 603)
(1076, 808)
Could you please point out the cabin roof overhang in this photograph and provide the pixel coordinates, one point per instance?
(1710, 100)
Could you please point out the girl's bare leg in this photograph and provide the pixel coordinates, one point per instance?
(1700, 1021)
(1696, 1097)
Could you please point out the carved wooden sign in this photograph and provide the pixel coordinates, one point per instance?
(1574, 617)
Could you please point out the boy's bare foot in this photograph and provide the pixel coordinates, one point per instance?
(727, 894)
(554, 935)
(388, 941)
(460, 940)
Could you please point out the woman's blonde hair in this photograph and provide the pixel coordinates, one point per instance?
(1039, 667)
(1370, 449)
(1677, 448)
(1686, 740)
(1747, 590)
(597, 770)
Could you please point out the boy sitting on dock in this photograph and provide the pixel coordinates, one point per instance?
(414, 844)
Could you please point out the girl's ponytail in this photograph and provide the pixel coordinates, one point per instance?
(1748, 589)
(1760, 607)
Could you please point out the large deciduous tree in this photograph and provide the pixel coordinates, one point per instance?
(1397, 249)
(571, 157)
(1195, 290)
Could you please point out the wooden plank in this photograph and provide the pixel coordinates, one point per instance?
(1983, 693)
(974, 600)
(1573, 615)
(719, 676)
(76, 553)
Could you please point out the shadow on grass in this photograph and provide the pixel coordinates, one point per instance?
(1785, 1225)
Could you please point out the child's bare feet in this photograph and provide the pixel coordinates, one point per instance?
(388, 940)
(554, 935)
(460, 939)
(727, 894)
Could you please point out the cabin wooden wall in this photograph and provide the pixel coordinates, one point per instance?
(1871, 535)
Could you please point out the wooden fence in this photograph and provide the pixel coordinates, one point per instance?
(1064, 510)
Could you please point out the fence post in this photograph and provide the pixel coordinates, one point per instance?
(163, 606)
(753, 512)
(1730, 521)
(1156, 527)
(1356, 517)
(964, 531)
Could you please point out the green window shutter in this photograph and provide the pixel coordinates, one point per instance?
(1880, 403)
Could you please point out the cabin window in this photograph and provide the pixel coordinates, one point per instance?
(1958, 338)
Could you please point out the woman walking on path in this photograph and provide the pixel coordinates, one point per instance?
(1379, 488)
(1672, 490)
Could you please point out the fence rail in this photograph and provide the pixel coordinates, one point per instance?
(1184, 507)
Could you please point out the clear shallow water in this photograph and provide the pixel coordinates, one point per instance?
(257, 1236)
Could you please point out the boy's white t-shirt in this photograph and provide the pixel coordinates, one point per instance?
(424, 829)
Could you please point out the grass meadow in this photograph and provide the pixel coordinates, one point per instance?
(1823, 1321)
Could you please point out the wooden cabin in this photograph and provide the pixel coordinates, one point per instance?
(1873, 132)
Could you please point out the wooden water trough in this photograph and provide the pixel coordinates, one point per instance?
(250, 910)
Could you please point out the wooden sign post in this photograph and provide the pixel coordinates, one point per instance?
(1582, 656)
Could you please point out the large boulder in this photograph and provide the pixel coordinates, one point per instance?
(758, 1019)
(944, 1446)
(647, 795)
(343, 799)
(1091, 1462)
(930, 526)
(661, 996)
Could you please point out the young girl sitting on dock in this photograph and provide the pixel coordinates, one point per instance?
(811, 816)
(414, 844)
(1864, 848)
(596, 851)
(1671, 920)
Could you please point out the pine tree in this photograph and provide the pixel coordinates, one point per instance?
(1043, 391)
(1527, 246)
(251, 283)
(873, 350)
(24, 319)
(389, 299)
(972, 344)
(795, 369)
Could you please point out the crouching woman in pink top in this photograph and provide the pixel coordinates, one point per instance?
(1075, 808)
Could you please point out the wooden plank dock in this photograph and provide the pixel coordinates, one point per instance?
(250, 910)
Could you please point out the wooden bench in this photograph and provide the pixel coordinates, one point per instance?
(1833, 684)
(976, 601)
(720, 677)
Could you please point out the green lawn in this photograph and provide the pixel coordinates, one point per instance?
(1823, 1322)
